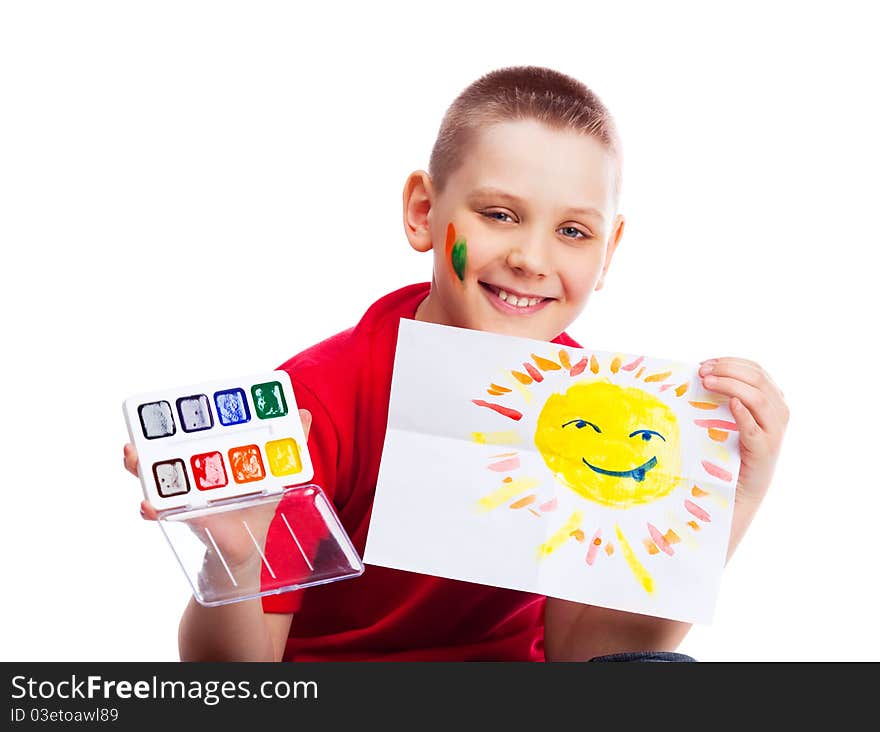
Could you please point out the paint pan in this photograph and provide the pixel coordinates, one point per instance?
(226, 465)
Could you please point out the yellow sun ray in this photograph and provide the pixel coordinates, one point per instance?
(558, 538)
(594, 364)
(505, 437)
(523, 392)
(637, 568)
(505, 493)
(676, 525)
(565, 360)
(714, 496)
(681, 389)
(720, 452)
(615, 365)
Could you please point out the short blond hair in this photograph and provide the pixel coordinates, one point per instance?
(516, 93)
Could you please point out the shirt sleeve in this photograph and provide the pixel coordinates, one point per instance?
(295, 516)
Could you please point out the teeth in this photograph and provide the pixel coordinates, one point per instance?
(519, 302)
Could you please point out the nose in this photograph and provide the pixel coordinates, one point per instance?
(528, 257)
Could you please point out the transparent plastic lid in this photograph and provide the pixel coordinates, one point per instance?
(246, 547)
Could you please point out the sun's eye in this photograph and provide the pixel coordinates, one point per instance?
(646, 435)
(581, 423)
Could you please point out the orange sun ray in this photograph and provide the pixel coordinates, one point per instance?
(524, 501)
(660, 376)
(704, 405)
(545, 364)
(521, 377)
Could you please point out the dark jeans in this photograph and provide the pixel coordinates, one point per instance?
(646, 656)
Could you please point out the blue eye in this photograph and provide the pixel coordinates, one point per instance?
(581, 423)
(573, 233)
(493, 214)
(646, 435)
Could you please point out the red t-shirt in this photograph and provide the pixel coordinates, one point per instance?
(385, 614)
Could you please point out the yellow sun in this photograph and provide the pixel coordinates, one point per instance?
(618, 446)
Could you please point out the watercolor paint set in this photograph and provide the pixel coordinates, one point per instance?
(226, 465)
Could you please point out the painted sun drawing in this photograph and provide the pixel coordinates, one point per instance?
(611, 435)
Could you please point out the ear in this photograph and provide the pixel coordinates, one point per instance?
(418, 197)
(613, 241)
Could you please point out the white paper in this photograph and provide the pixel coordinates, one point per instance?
(631, 452)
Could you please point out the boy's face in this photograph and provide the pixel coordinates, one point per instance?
(534, 219)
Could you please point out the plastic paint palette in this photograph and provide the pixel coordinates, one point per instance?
(223, 463)
(216, 440)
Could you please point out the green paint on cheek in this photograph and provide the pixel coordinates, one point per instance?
(459, 258)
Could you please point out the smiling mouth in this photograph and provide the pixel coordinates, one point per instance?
(514, 302)
(637, 474)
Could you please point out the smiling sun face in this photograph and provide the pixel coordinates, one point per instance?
(618, 446)
(611, 432)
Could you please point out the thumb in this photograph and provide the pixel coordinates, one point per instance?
(306, 416)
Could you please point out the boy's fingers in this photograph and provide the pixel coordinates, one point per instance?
(755, 368)
(749, 430)
(147, 511)
(130, 459)
(747, 372)
(761, 407)
(306, 416)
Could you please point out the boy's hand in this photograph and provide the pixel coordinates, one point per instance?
(761, 414)
(234, 542)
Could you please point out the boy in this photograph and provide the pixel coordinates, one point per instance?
(526, 168)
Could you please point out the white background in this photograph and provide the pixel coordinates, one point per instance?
(192, 191)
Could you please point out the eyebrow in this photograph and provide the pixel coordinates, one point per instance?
(500, 193)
